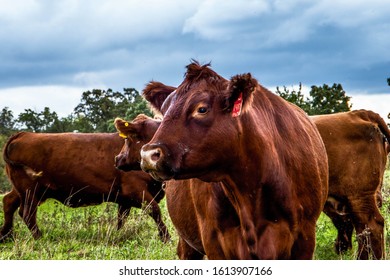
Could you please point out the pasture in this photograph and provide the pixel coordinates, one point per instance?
(89, 233)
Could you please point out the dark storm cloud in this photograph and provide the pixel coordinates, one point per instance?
(127, 43)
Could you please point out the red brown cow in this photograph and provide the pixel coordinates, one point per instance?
(268, 156)
(76, 169)
(356, 145)
(358, 133)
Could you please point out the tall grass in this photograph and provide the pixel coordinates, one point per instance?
(89, 233)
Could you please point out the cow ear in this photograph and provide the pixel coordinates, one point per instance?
(156, 93)
(126, 129)
(240, 93)
(142, 128)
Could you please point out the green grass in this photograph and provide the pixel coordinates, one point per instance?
(89, 233)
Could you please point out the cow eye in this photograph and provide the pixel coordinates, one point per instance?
(202, 110)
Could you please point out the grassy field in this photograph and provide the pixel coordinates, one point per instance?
(89, 233)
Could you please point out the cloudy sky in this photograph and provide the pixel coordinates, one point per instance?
(52, 51)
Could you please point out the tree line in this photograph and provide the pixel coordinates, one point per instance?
(98, 109)
(95, 113)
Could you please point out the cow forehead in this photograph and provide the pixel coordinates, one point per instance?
(168, 102)
(174, 107)
(184, 96)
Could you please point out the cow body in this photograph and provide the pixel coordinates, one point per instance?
(76, 169)
(356, 145)
(248, 140)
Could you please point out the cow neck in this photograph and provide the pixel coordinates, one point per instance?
(243, 184)
(245, 206)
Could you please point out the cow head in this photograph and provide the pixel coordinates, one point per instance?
(136, 134)
(201, 125)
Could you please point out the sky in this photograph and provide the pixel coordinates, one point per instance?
(53, 51)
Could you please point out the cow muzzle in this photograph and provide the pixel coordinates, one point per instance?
(153, 161)
(120, 163)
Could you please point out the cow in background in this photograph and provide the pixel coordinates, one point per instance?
(356, 144)
(78, 170)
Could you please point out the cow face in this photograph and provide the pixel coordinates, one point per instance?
(136, 134)
(200, 130)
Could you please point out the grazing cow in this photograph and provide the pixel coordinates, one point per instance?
(267, 155)
(356, 145)
(76, 169)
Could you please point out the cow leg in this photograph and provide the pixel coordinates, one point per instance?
(123, 213)
(11, 202)
(344, 228)
(338, 211)
(277, 242)
(28, 212)
(369, 225)
(304, 245)
(186, 252)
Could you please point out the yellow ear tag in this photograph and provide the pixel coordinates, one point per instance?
(123, 135)
(126, 124)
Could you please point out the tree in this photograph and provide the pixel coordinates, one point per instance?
(137, 106)
(388, 81)
(322, 100)
(7, 122)
(98, 108)
(37, 121)
(328, 100)
(295, 97)
(30, 119)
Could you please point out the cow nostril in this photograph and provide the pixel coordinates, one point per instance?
(155, 156)
(150, 157)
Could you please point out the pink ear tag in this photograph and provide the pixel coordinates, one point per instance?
(237, 106)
